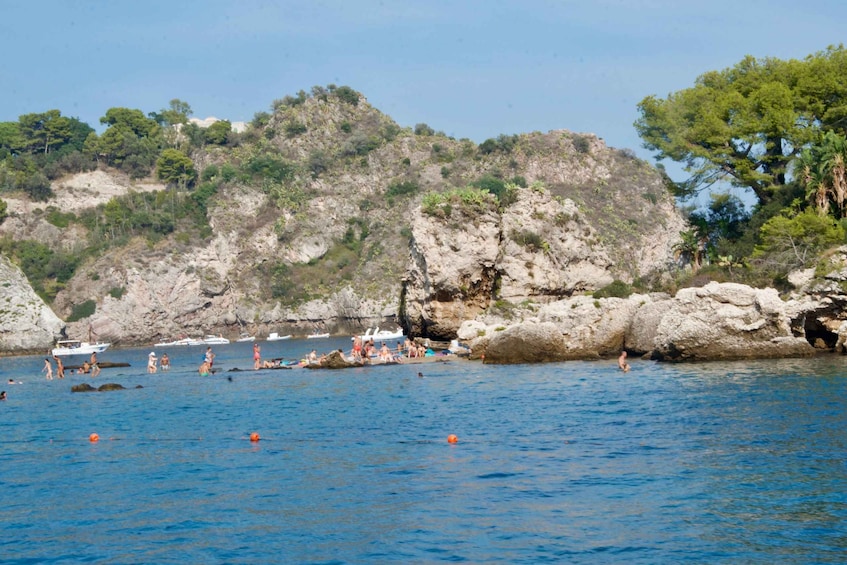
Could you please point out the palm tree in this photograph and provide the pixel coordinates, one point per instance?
(688, 248)
(823, 173)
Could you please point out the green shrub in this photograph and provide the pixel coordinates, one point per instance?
(581, 144)
(503, 144)
(293, 129)
(506, 193)
(318, 162)
(84, 310)
(615, 289)
(58, 218)
(270, 167)
(528, 239)
(360, 144)
(117, 292)
(347, 94)
(404, 188)
(209, 173)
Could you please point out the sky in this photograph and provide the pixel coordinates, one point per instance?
(472, 69)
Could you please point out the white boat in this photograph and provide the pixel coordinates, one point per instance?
(178, 342)
(76, 347)
(382, 335)
(273, 336)
(244, 337)
(317, 336)
(215, 340)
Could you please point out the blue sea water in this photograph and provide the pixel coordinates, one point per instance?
(567, 462)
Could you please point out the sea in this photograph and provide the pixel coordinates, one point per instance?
(573, 462)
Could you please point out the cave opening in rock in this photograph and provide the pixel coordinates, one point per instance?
(818, 335)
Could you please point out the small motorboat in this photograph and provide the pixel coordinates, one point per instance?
(382, 335)
(317, 335)
(215, 340)
(178, 342)
(246, 337)
(273, 336)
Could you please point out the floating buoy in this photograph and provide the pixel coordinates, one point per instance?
(452, 438)
(254, 437)
(94, 438)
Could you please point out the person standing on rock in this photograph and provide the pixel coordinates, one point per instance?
(257, 356)
(48, 368)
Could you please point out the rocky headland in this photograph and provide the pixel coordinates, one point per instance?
(393, 233)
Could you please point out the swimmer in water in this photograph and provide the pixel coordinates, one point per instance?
(624, 366)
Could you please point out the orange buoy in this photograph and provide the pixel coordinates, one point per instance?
(452, 438)
(94, 438)
(254, 437)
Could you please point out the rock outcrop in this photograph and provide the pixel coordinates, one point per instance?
(452, 270)
(539, 248)
(718, 321)
(727, 321)
(26, 323)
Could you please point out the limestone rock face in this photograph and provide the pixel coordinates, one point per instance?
(585, 329)
(726, 321)
(641, 337)
(451, 272)
(539, 248)
(718, 321)
(342, 245)
(527, 343)
(26, 323)
(548, 249)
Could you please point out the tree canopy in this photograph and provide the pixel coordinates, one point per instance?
(745, 124)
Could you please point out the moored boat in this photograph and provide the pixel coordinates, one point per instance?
(382, 335)
(215, 340)
(182, 341)
(317, 335)
(75, 347)
(274, 336)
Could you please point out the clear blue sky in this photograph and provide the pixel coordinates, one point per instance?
(472, 69)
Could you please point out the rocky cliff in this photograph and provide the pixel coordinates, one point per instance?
(27, 324)
(315, 218)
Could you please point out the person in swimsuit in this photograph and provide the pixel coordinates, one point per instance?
(165, 362)
(624, 366)
(204, 369)
(95, 368)
(48, 368)
(60, 368)
(257, 356)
